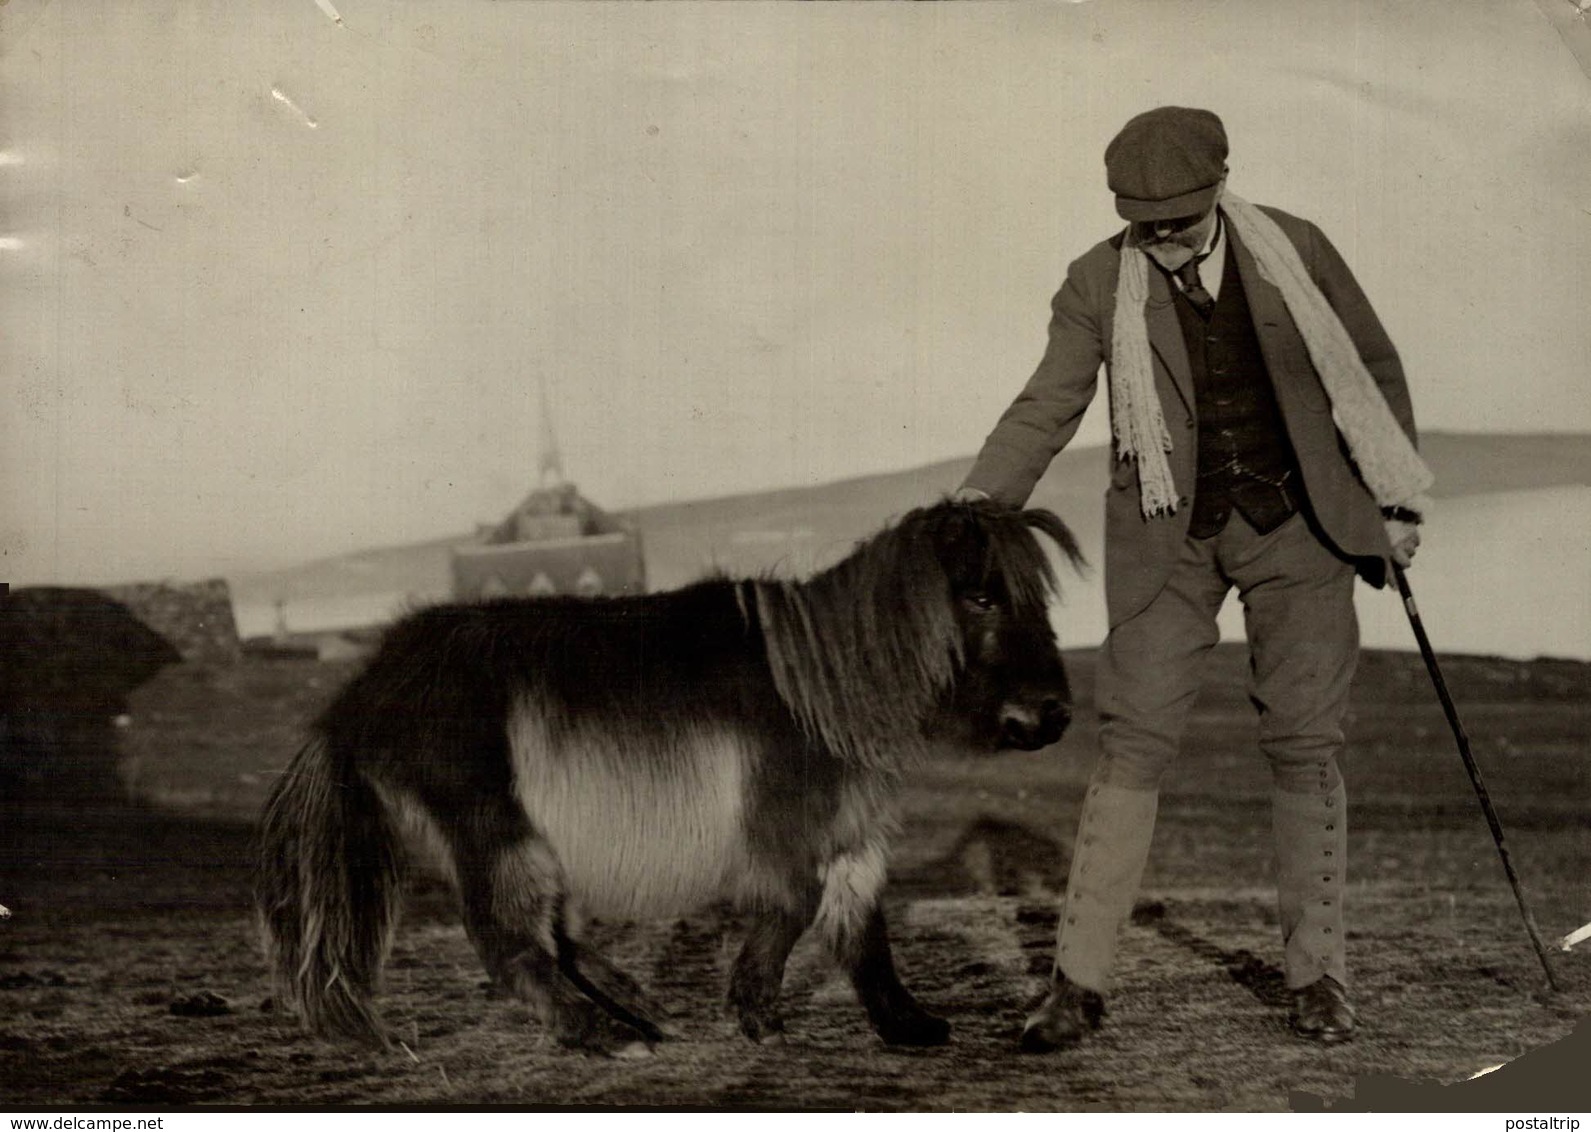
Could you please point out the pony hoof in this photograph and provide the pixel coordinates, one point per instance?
(923, 1030)
(633, 1051)
(763, 1030)
(595, 1031)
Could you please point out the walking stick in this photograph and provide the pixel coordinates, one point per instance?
(1474, 771)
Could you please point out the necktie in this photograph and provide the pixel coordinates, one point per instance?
(1202, 300)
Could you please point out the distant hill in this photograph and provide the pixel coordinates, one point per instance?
(1484, 463)
(753, 532)
(798, 528)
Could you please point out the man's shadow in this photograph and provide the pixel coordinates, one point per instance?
(997, 857)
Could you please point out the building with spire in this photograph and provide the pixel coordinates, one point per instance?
(555, 542)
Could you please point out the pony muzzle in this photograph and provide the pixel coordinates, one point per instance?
(1028, 727)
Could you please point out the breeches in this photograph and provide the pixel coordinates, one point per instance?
(1303, 639)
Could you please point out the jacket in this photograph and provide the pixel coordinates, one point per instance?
(1139, 552)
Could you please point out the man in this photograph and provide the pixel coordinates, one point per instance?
(1264, 441)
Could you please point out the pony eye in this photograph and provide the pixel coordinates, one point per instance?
(979, 600)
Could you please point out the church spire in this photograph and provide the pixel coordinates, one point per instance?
(550, 469)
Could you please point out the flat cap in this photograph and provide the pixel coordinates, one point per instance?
(1166, 162)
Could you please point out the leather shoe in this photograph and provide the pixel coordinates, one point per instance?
(1321, 1012)
(1066, 1016)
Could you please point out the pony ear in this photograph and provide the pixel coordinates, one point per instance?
(1050, 524)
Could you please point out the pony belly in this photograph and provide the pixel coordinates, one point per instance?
(641, 827)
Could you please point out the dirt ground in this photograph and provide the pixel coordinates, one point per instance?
(130, 976)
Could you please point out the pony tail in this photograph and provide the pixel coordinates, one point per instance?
(327, 891)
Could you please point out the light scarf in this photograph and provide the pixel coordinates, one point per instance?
(1377, 445)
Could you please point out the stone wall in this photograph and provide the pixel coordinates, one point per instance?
(69, 659)
(195, 617)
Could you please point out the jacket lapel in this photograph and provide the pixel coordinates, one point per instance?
(1280, 343)
(1264, 299)
(1165, 335)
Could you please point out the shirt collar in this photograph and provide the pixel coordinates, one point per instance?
(1216, 235)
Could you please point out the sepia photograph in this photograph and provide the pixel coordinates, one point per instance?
(964, 557)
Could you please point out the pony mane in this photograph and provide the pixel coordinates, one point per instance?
(863, 651)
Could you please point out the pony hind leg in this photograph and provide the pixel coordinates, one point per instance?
(610, 986)
(758, 975)
(514, 899)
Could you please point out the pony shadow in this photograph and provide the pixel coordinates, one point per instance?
(991, 857)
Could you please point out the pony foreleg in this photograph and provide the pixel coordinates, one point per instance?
(759, 970)
(851, 920)
(895, 1014)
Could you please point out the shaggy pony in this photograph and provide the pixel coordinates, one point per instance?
(642, 756)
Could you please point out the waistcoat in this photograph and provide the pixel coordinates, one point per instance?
(1245, 461)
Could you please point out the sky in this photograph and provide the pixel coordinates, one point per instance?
(285, 280)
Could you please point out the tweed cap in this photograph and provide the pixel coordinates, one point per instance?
(1165, 163)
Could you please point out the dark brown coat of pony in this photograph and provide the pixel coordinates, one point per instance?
(644, 756)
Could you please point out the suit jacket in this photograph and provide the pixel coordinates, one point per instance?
(1139, 552)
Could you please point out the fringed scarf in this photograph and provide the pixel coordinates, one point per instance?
(1377, 444)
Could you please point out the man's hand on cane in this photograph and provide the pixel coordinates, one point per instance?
(1405, 539)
